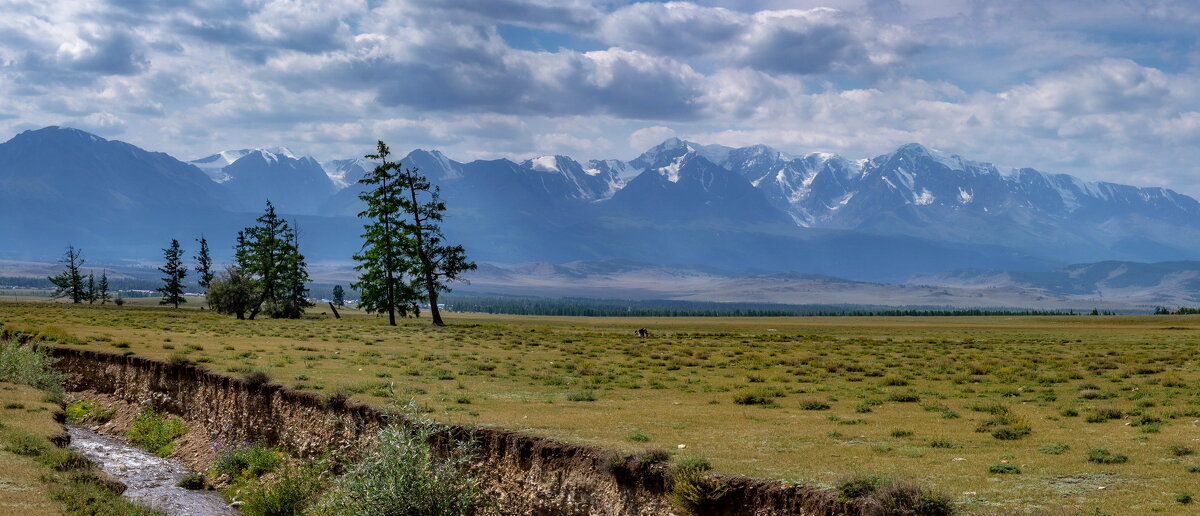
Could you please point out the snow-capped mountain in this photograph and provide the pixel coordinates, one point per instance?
(679, 184)
(295, 184)
(344, 172)
(911, 211)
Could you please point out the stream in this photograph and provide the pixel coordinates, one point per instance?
(150, 480)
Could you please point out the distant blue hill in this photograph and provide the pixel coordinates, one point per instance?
(913, 211)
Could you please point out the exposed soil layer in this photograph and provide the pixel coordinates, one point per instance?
(529, 475)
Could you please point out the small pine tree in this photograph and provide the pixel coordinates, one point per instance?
(102, 288)
(204, 264)
(69, 282)
(91, 295)
(172, 289)
(339, 295)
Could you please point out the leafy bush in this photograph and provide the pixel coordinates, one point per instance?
(1180, 450)
(693, 492)
(400, 473)
(760, 396)
(246, 461)
(156, 432)
(1103, 456)
(813, 404)
(1004, 469)
(292, 491)
(904, 397)
(30, 364)
(88, 411)
(586, 395)
(1055, 448)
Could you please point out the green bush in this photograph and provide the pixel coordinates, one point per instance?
(760, 396)
(813, 404)
(292, 491)
(80, 495)
(30, 364)
(1103, 456)
(693, 491)
(156, 432)
(1055, 448)
(1004, 469)
(400, 473)
(246, 461)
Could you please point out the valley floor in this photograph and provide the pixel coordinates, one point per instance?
(1007, 413)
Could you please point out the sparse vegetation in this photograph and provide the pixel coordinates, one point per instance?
(680, 386)
(156, 432)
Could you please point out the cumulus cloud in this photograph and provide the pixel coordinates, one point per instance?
(1073, 86)
(790, 41)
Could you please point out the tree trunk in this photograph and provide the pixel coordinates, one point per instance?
(433, 308)
(336, 315)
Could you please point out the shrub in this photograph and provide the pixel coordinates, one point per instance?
(257, 378)
(1004, 469)
(292, 491)
(943, 443)
(813, 404)
(30, 364)
(193, 481)
(1055, 448)
(693, 492)
(1180, 450)
(156, 432)
(904, 397)
(639, 437)
(399, 473)
(1103, 456)
(584, 395)
(246, 461)
(860, 486)
(905, 497)
(1184, 498)
(760, 396)
(902, 433)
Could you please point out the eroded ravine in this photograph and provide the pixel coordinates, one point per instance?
(149, 480)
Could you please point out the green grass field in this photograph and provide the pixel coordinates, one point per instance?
(1002, 413)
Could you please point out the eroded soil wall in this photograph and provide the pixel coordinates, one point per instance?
(529, 475)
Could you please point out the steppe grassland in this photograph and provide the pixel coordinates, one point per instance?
(1015, 413)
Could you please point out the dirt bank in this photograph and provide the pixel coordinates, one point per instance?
(530, 475)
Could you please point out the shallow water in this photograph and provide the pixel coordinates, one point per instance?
(150, 480)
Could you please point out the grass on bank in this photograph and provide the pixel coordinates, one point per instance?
(823, 396)
(38, 475)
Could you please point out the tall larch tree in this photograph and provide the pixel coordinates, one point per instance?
(385, 282)
(69, 282)
(204, 265)
(435, 262)
(102, 288)
(174, 271)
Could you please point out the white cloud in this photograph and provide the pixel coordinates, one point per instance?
(1102, 89)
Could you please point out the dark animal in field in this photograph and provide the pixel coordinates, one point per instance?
(642, 332)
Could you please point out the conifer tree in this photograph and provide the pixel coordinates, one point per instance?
(102, 288)
(339, 295)
(91, 288)
(204, 271)
(69, 282)
(172, 289)
(435, 262)
(385, 282)
(268, 253)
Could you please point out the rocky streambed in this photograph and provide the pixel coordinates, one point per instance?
(149, 480)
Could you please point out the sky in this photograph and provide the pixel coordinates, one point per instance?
(1102, 89)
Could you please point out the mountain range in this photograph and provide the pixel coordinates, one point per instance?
(913, 211)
